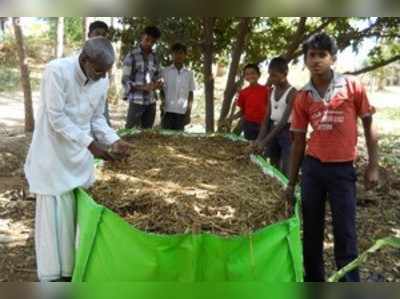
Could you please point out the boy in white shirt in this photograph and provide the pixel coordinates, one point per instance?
(177, 93)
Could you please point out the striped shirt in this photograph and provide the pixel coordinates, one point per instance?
(140, 69)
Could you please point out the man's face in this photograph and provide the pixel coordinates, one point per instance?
(148, 42)
(179, 57)
(99, 32)
(251, 75)
(319, 62)
(276, 77)
(95, 71)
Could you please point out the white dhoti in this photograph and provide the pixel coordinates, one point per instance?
(55, 228)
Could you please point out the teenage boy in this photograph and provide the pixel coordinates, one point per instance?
(177, 92)
(140, 79)
(331, 104)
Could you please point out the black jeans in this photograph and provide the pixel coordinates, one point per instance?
(251, 130)
(337, 182)
(140, 116)
(279, 150)
(173, 121)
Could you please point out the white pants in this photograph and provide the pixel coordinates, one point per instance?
(55, 235)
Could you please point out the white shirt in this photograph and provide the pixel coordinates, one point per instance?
(278, 107)
(69, 112)
(177, 85)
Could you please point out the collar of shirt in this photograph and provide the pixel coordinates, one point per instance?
(173, 67)
(140, 50)
(337, 83)
(79, 74)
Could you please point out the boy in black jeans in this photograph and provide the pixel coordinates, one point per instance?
(331, 104)
(177, 92)
(140, 79)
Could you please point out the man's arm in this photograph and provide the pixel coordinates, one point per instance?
(296, 157)
(237, 115)
(54, 100)
(371, 138)
(191, 93)
(265, 124)
(190, 102)
(129, 84)
(104, 134)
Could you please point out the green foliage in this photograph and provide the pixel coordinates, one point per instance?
(186, 30)
(38, 50)
(9, 79)
(73, 31)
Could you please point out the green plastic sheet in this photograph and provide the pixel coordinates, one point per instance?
(111, 250)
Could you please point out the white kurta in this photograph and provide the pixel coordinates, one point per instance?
(70, 112)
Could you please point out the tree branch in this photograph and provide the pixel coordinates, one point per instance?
(294, 52)
(297, 38)
(374, 66)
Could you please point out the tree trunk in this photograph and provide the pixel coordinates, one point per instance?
(208, 50)
(85, 28)
(60, 37)
(25, 81)
(231, 86)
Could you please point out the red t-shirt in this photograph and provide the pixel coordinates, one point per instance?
(253, 102)
(334, 122)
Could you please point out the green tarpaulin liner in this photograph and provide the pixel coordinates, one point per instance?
(111, 250)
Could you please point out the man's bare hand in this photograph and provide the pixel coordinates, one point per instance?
(99, 152)
(120, 147)
(288, 196)
(371, 177)
(255, 147)
(158, 85)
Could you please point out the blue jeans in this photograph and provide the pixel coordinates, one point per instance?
(337, 183)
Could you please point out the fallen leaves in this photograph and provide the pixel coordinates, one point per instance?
(175, 184)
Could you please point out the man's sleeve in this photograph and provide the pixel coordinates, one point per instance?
(299, 116)
(361, 101)
(53, 96)
(127, 81)
(99, 126)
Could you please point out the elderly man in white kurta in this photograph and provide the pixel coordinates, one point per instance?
(61, 157)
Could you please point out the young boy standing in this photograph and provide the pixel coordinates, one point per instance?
(96, 29)
(177, 92)
(141, 79)
(274, 135)
(252, 102)
(331, 104)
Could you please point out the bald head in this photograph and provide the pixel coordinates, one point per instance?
(99, 51)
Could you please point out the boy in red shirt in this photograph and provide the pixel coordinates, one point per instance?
(252, 102)
(331, 104)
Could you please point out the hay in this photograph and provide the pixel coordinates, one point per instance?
(175, 184)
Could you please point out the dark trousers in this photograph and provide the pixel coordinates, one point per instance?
(140, 116)
(279, 150)
(335, 182)
(173, 121)
(251, 130)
